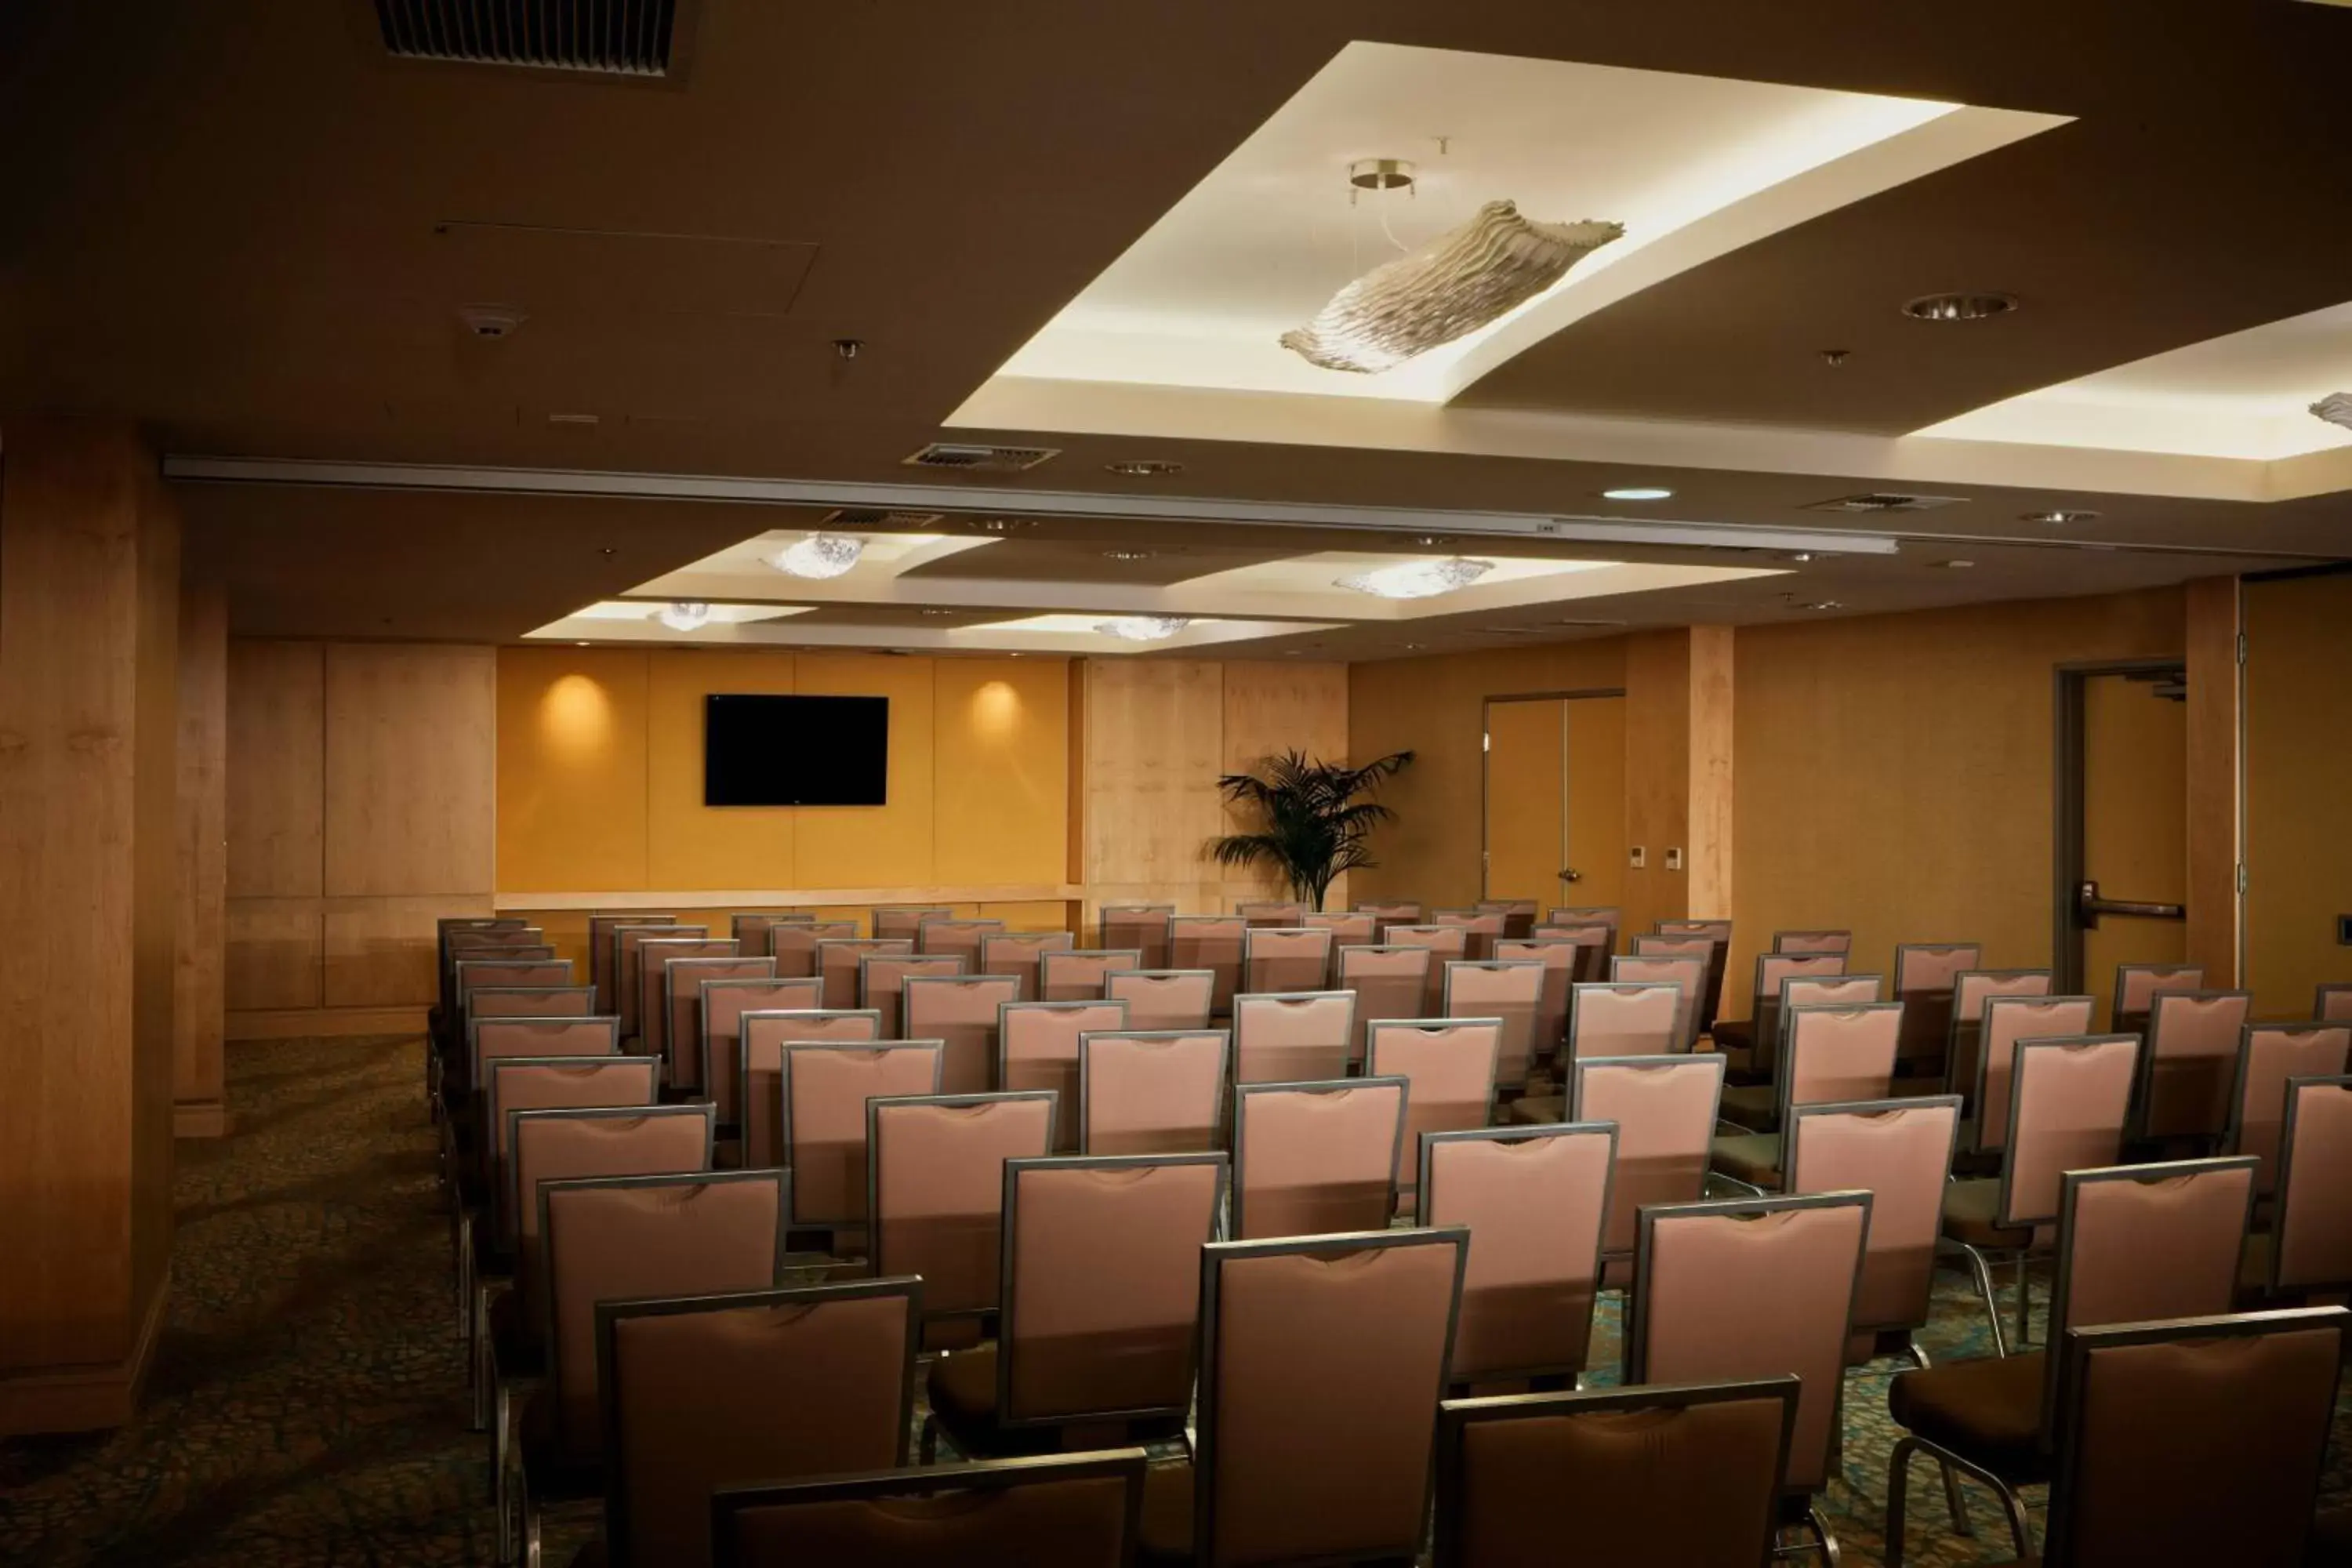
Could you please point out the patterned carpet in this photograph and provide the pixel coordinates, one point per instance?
(306, 1405)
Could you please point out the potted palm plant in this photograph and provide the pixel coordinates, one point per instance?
(1317, 818)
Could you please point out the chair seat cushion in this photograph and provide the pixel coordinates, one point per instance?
(552, 1476)
(1539, 1110)
(1751, 1157)
(1166, 1529)
(1755, 1106)
(962, 1388)
(1915, 1088)
(1987, 1411)
(1969, 1211)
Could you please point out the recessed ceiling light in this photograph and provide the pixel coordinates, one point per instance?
(1955, 565)
(685, 616)
(1637, 492)
(1971, 307)
(1418, 579)
(1129, 554)
(580, 645)
(1801, 556)
(820, 555)
(1143, 469)
(1412, 647)
(1823, 605)
(2057, 517)
(1433, 541)
(1143, 628)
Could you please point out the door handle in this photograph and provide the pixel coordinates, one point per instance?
(1570, 874)
(2089, 906)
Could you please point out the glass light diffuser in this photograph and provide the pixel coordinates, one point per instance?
(1144, 628)
(1419, 579)
(820, 555)
(685, 616)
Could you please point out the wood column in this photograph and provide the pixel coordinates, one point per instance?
(1708, 856)
(199, 1094)
(89, 578)
(2216, 908)
(1678, 800)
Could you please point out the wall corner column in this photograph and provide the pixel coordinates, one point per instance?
(2216, 774)
(199, 1018)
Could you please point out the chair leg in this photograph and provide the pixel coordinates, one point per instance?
(929, 1445)
(2025, 1300)
(461, 1261)
(499, 1430)
(531, 1547)
(2021, 1531)
(1899, 1465)
(477, 1357)
(1956, 1504)
(1815, 1517)
(1993, 1304)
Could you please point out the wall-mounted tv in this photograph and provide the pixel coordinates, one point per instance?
(795, 750)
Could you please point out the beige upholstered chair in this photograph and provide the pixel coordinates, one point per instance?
(2008, 1020)
(840, 965)
(824, 1090)
(1480, 931)
(1017, 953)
(793, 946)
(2268, 1056)
(1270, 914)
(762, 1068)
(1606, 1021)
(936, 1194)
(1277, 960)
(1686, 971)
(882, 982)
(724, 1002)
(1518, 914)
(1665, 1109)
(1354, 930)
(1899, 1152)
(1386, 912)
(1080, 975)
(1448, 1065)
(1971, 989)
(1311, 1159)
(496, 1039)
(962, 1012)
(1037, 1047)
(1293, 1037)
(683, 979)
(516, 1084)
(530, 1002)
(1750, 1045)
(1557, 957)
(1212, 942)
(2136, 985)
(1510, 990)
(1595, 944)
(2333, 1003)
(1925, 975)
(1832, 1055)
(1446, 943)
(2189, 1067)
(751, 930)
(2309, 1246)
(1389, 982)
(905, 920)
(654, 1011)
(1142, 928)
(1151, 1091)
(604, 954)
(1164, 998)
(956, 937)
(1718, 934)
(1838, 942)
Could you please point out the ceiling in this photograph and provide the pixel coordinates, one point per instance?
(2156, 183)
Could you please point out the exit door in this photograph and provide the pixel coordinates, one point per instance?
(2123, 823)
(1555, 798)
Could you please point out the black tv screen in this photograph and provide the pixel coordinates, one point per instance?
(795, 750)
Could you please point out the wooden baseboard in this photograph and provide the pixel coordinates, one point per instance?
(199, 1119)
(298, 1023)
(84, 1398)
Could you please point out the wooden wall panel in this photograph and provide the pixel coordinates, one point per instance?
(2298, 760)
(1659, 726)
(410, 759)
(198, 1067)
(1001, 756)
(378, 953)
(571, 761)
(274, 950)
(1155, 746)
(2216, 914)
(277, 789)
(1272, 706)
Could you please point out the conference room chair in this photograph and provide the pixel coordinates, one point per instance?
(461, 1130)
(628, 943)
(957, 937)
(1801, 1255)
(1142, 927)
(1684, 972)
(1277, 960)
(2308, 1249)
(2137, 1244)
(1535, 1199)
(905, 920)
(1897, 1150)
(471, 974)
(882, 982)
(1593, 941)
(1837, 941)
(1448, 1069)
(1925, 975)
(1550, 1024)
(824, 1090)
(2069, 1104)
(1480, 931)
(1084, 1510)
(1718, 935)
(1151, 1091)
(1346, 930)
(682, 982)
(1509, 991)
(1833, 1055)
(1321, 1367)
(550, 1083)
(1971, 989)
(1518, 914)
(2008, 1020)
(1212, 942)
(840, 965)
(2188, 1071)
(1037, 1048)
(707, 1391)
(1261, 914)
(761, 1069)
(962, 1013)
(2268, 1056)
(2135, 988)
(1079, 974)
(1164, 998)
(624, 1238)
(935, 1195)
(724, 1002)
(1293, 1037)
(1688, 1474)
(475, 1166)
(1664, 1108)
(1446, 945)
(1386, 912)
(1609, 915)
(444, 1023)
(654, 1011)
(483, 937)
(1389, 981)
(1605, 1021)
(533, 1002)
(1312, 1159)
(603, 973)
(1098, 1320)
(1017, 953)
(751, 930)
(2333, 1003)
(1750, 1045)
(793, 947)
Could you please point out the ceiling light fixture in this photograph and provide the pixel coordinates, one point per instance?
(941, 612)
(820, 555)
(1975, 306)
(1452, 286)
(1956, 565)
(999, 524)
(1143, 469)
(685, 616)
(1801, 556)
(2057, 517)
(1419, 579)
(1143, 628)
(1129, 554)
(1823, 605)
(1638, 492)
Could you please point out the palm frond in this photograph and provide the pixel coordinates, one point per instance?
(1314, 825)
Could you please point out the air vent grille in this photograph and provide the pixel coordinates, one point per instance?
(1884, 501)
(973, 459)
(613, 37)
(871, 517)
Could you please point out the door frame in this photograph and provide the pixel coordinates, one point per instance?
(1486, 759)
(2069, 683)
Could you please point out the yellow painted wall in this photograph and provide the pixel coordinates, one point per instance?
(2298, 787)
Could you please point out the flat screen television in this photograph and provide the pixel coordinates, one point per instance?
(795, 750)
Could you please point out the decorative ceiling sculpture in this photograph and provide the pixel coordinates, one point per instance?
(1144, 628)
(1419, 579)
(2335, 408)
(820, 555)
(1450, 287)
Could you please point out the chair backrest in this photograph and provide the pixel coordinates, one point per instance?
(562, 1143)
(1143, 928)
(1445, 943)
(1212, 942)
(711, 1391)
(1665, 1109)
(683, 979)
(1448, 1065)
(1077, 974)
(1802, 1255)
(953, 936)
(1615, 1019)
(1559, 957)
(1899, 1152)
(655, 1008)
(2069, 1101)
(1926, 974)
(2191, 1062)
(2137, 984)
(1284, 958)
(840, 960)
(1518, 914)
(724, 1002)
(761, 1065)
(1164, 998)
(470, 974)
(1389, 912)
(2198, 1440)
(622, 1239)
(961, 1012)
(751, 930)
(935, 1195)
(1017, 953)
(1593, 943)
(1390, 981)
(1318, 1347)
(1773, 971)
(1270, 912)
(2268, 1056)
(1037, 1047)
(1348, 930)
(1662, 944)
(531, 1002)
(1688, 1475)
(1536, 1199)
(1717, 933)
(1825, 990)
(551, 1083)
(1294, 1037)
(1685, 971)
(1480, 931)
(2008, 1020)
(2311, 1248)
(1508, 990)
(1312, 1159)
(1838, 942)
(1083, 1512)
(825, 1088)
(628, 972)
(1609, 915)
(882, 982)
(492, 1039)
(1151, 1091)
(604, 955)
(905, 920)
(1102, 1286)
(793, 946)
(1837, 1054)
(2333, 1001)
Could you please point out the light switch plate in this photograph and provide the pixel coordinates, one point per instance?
(1637, 857)
(1674, 859)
